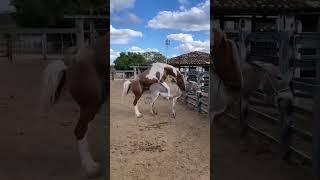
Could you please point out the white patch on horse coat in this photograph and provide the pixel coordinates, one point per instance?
(167, 87)
(159, 67)
(86, 159)
(136, 110)
(51, 79)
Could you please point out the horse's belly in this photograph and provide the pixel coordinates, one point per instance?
(163, 94)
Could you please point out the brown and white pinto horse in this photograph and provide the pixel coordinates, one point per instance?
(158, 72)
(83, 75)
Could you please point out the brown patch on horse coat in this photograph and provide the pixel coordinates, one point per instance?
(158, 75)
(225, 62)
(85, 80)
(171, 79)
(142, 83)
(178, 76)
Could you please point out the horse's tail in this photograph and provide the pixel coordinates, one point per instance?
(126, 88)
(54, 77)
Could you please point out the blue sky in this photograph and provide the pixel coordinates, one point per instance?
(144, 25)
(4, 6)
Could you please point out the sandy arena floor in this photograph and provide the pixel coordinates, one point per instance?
(157, 147)
(37, 147)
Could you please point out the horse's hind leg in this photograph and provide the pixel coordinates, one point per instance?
(168, 89)
(81, 131)
(154, 98)
(173, 109)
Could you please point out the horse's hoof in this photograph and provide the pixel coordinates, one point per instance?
(173, 115)
(139, 115)
(154, 113)
(93, 171)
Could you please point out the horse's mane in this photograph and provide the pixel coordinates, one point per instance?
(73, 53)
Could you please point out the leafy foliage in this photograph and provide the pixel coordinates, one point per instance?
(125, 60)
(154, 56)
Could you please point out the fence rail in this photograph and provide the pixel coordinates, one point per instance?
(199, 103)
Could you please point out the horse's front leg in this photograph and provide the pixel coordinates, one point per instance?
(173, 109)
(81, 131)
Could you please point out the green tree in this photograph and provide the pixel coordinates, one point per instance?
(154, 56)
(40, 13)
(125, 60)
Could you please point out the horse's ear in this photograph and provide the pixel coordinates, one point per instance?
(223, 42)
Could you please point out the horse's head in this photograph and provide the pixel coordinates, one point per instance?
(219, 39)
(180, 81)
(191, 86)
(171, 79)
(273, 80)
(275, 84)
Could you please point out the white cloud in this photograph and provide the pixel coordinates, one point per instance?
(195, 19)
(188, 44)
(183, 1)
(129, 18)
(133, 18)
(182, 8)
(137, 49)
(118, 5)
(113, 55)
(122, 36)
(173, 55)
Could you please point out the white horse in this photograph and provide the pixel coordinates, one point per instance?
(158, 89)
(192, 87)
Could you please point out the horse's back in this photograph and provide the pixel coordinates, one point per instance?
(84, 83)
(100, 49)
(157, 87)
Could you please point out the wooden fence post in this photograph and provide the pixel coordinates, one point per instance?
(186, 99)
(92, 33)
(199, 95)
(10, 47)
(210, 115)
(44, 46)
(80, 32)
(134, 72)
(61, 38)
(316, 128)
(286, 132)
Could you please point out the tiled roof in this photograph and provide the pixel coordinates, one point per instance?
(266, 6)
(195, 58)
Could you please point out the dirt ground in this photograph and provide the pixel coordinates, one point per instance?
(251, 158)
(157, 147)
(35, 147)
